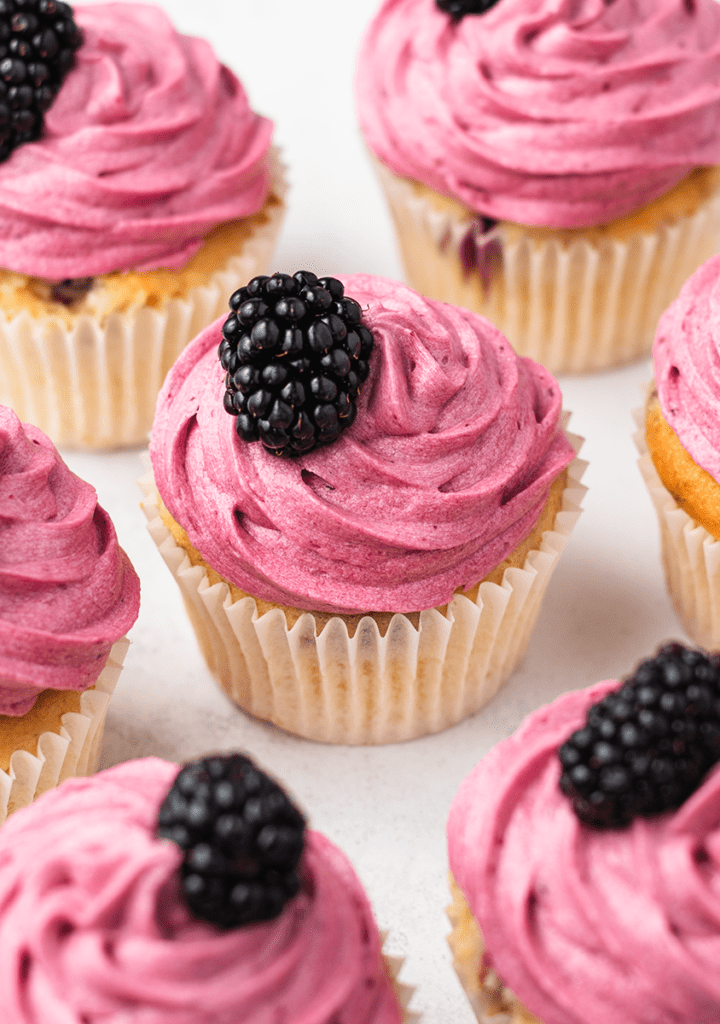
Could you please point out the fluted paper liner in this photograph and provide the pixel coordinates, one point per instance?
(73, 750)
(393, 966)
(368, 688)
(690, 555)
(574, 306)
(94, 385)
(491, 1000)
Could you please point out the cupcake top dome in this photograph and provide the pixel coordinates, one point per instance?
(446, 468)
(148, 145)
(590, 926)
(67, 589)
(544, 112)
(94, 926)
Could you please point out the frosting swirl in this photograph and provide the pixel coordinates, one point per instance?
(67, 590)
(93, 928)
(687, 366)
(445, 470)
(149, 144)
(559, 113)
(588, 927)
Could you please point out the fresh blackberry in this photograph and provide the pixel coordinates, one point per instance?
(38, 40)
(457, 9)
(242, 838)
(646, 747)
(295, 353)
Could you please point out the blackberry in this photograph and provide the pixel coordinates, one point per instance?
(242, 838)
(646, 747)
(457, 9)
(295, 353)
(38, 40)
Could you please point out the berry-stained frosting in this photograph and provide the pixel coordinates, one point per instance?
(560, 113)
(149, 144)
(687, 366)
(93, 929)
(587, 926)
(445, 470)
(67, 590)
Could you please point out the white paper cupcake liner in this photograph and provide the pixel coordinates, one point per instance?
(94, 385)
(575, 306)
(393, 966)
(73, 750)
(690, 555)
(368, 688)
(492, 1001)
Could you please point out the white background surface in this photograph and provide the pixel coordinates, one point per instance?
(606, 606)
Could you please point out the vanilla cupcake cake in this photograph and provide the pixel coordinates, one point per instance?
(584, 850)
(68, 595)
(143, 185)
(363, 558)
(118, 903)
(553, 166)
(680, 448)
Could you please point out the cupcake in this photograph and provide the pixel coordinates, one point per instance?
(370, 571)
(126, 214)
(550, 165)
(119, 903)
(680, 451)
(68, 594)
(585, 854)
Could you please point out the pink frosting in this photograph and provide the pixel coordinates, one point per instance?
(561, 113)
(149, 144)
(687, 366)
(67, 590)
(445, 470)
(93, 929)
(585, 926)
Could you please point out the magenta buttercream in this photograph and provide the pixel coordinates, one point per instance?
(687, 366)
(445, 470)
(561, 113)
(149, 144)
(93, 929)
(67, 590)
(586, 926)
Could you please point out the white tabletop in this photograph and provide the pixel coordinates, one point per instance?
(606, 606)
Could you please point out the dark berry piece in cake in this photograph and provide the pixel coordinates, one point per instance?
(242, 839)
(457, 9)
(646, 747)
(295, 352)
(71, 290)
(38, 41)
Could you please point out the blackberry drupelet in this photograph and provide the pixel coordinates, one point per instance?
(457, 9)
(646, 747)
(38, 40)
(242, 838)
(295, 353)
